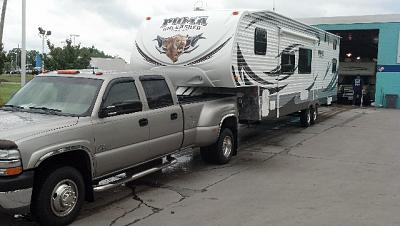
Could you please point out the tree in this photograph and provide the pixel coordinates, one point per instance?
(3, 59)
(70, 56)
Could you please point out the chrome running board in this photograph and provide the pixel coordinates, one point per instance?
(114, 184)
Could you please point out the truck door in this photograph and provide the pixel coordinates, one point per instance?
(165, 117)
(121, 135)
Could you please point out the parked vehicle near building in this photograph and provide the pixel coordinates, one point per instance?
(62, 134)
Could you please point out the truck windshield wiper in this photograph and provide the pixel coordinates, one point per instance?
(47, 110)
(13, 106)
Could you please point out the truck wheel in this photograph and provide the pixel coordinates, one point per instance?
(221, 152)
(305, 118)
(60, 197)
(314, 114)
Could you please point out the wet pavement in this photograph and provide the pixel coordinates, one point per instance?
(341, 171)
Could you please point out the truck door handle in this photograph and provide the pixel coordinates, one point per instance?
(174, 116)
(143, 122)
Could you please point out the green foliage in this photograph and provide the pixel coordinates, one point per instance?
(2, 59)
(70, 56)
(13, 59)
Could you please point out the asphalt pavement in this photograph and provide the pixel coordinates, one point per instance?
(342, 171)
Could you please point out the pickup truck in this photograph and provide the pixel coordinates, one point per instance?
(66, 132)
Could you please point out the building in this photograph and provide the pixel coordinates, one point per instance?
(370, 47)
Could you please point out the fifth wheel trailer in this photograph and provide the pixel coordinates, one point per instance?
(275, 65)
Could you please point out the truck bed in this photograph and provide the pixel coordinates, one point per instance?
(201, 98)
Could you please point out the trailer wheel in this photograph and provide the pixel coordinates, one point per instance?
(314, 114)
(60, 197)
(305, 118)
(221, 152)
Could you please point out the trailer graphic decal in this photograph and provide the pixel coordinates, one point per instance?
(177, 45)
(211, 54)
(333, 83)
(289, 50)
(147, 58)
(184, 23)
(243, 66)
(312, 84)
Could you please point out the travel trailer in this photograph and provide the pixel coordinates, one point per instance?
(275, 65)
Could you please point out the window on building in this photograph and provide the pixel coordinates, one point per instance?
(334, 65)
(288, 62)
(305, 60)
(157, 93)
(260, 41)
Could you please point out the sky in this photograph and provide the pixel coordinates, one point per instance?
(111, 25)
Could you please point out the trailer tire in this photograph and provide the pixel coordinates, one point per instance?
(314, 114)
(305, 118)
(221, 152)
(60, 197)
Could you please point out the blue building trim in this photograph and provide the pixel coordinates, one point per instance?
(388, 68)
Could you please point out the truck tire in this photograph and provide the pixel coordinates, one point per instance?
(221, 152)
(305, 118)
(314, 114)
(59, 198)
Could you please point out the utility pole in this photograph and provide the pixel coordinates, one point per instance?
(3, 16)
(73, 36)
(23, 53)
(273, 7)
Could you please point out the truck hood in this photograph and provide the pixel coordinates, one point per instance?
(19, 125)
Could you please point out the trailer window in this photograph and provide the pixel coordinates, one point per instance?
(335, 44)
(157, 93)
(260, 41)
(334, 65)
(288, 62)
(305, 59)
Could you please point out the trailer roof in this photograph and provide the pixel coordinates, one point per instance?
(296, 21)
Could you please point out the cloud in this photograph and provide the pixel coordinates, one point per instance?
(111, 25)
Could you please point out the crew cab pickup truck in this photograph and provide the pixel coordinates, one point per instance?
(66, 132)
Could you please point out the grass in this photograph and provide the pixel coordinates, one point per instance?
(6, 90)
(14, 78)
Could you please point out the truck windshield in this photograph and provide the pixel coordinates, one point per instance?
(57, 95)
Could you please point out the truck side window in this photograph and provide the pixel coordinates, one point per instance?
(305, 60)
(288, 62)
(122, 98)
(157, 93)
(260, 41)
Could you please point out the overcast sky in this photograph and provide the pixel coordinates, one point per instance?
(111, 25)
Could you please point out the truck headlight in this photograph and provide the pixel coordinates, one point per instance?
(10, 162)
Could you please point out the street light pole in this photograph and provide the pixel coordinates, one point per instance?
(44, 34)
(23, 54)
(73, 36)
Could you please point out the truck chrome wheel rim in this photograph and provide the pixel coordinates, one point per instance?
(64, 198)
(227, 146)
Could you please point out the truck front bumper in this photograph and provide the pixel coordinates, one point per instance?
(16, 193)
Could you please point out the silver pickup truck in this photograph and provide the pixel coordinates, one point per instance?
(66, 132)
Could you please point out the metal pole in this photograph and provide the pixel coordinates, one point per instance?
(3, 15)
(23, 54)
(43, 53)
